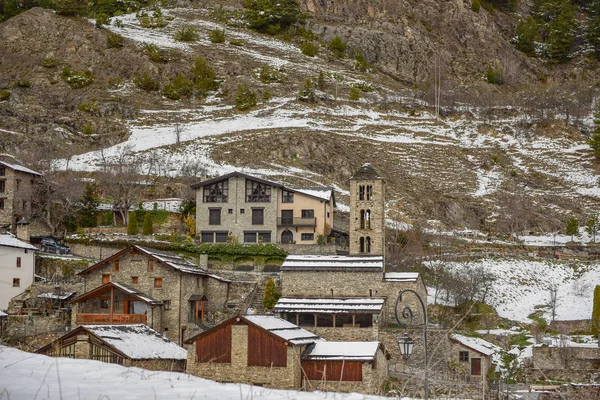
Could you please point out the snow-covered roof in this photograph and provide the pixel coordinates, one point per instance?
(356, 351)
(56, 296)
(3, 314)
(401, 276)
(284, 329)
(320, 192)
(171, 205)
(10, 240)
(368, 305)
(566, 341)
(138, 342)
(332, 263)
(19, 168)
(177, 262)
(124, 288)
(366, 171)
(477, 344)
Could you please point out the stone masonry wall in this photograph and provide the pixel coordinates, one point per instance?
(549, 357)
(14, 195)
(94, 251)
(238, 370)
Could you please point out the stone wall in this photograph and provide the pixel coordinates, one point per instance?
(58, 269)
(157, 365)
(345, 334)
(15, 196)
(310, 249)
(95, 251)
(577, 358)
(22, 326)
(238, 371)
(376, 206)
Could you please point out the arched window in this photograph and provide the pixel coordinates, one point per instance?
(362, 219)
(287, 236)
(331, 292)
(362, 244)
(368, 245)
(368, 219)
(369, 192)
(370, 292)
(361, 192)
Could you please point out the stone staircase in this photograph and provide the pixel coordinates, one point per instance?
(257, 299)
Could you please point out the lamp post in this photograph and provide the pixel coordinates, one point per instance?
(406, 343)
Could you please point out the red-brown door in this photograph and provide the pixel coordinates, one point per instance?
(475, 366)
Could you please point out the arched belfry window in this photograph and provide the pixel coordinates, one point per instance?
(361, 243)
(362, 219)
(361, 192)
(368, 245)
(367, 217)
(369, 192)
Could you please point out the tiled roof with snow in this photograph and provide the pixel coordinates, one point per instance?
(332, 263)
(477, 344)
(366, 305)
(356, 351)
(401, 276)
(56, 296)
(284, 329)
(320, 192)
(138, 342)
(366, 172)
(10, 240)
(20, 168)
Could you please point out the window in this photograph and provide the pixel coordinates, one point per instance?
(249, 237)
(216, 193)
(230, 211)
(134, 280)
(257, 192)
(1, 186)
(158, 282)
(2, 171)
(361, 243)
(105, 278)
(463, 356)
(150, 265)
(167, 304)
(258, 216)
(104, 303)
(369, 192)
(361, 192)
(307, 236)
(221, 237)
(287, 196)
(214, 216)
(368, 245)
(287, 236)
(242, 211)
(18, 262)
(207, 237)
(16, 282)
(1, 204)
(266, 236)
(362, 219)
(308, 213)
(365, 219)
(116, 266)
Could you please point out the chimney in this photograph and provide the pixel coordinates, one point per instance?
(203, 261)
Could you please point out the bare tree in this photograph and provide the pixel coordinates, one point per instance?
(554, 299)
(178, 130)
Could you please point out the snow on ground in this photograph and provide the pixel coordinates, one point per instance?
(33, 376)
(521, 285)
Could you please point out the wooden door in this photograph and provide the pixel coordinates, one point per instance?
(475, 366)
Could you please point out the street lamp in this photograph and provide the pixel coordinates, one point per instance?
(406, 343)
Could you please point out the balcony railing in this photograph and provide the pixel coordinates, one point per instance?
(290, 221)
(118, 319)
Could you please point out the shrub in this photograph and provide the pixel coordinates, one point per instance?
(237, 42)
(23, 83)
(4, 95)
(354, 93)
(146, 82)
(217, 36)
(270, 75)
(157, 19)
(76, 79)
(89, 107)
(266, 96)
(115, 41)
(321, 83)
(360, 62)
(271, 295)
(476, 5)
(596, 311)
(245, 98)
(102, 19)
(155, 53)
(186, 34)
(88, 129)
(307, 92)
(309, 49)
(494, 77)
(48, 62)
(147, 227)
(178, 87)
(337, 46)
(132, 224)
(204, 77)
(363, 87)
(271, 16)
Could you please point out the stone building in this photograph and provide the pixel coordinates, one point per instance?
(16, 187)
(367, 212)
(127, 345)
(139, 284)
(248, 209)
(17, 267)
(471, 357)
(564, 360)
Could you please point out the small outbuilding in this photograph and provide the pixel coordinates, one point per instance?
(128, 345)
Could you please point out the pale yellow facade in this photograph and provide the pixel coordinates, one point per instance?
(304, 228)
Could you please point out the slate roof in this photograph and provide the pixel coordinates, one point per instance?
(284, 329)
(477, 344)
(319, 192)
(366, 305)
(350, 351)
(366, 172)
(10, 240)
(119, 286)
(230, 175)
(20, 168)
(332, 263)
(401, 276)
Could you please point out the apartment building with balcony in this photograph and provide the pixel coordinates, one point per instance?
(247, 209)
(16, 186)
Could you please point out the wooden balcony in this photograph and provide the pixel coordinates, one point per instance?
(117, 319)
(289, 221)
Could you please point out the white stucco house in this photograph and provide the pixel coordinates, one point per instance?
(17, 267)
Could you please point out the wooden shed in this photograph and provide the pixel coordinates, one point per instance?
(128, 345)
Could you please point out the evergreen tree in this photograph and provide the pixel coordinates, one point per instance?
(338, 46)
(271, 16)
(527, 34)
(271, 295)
(147, 227)
(572, 227)
(595, 311)
(132, 224)
(592, 226)
(88, 214)
(204, 76)
(245, 98)
(593, 28)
